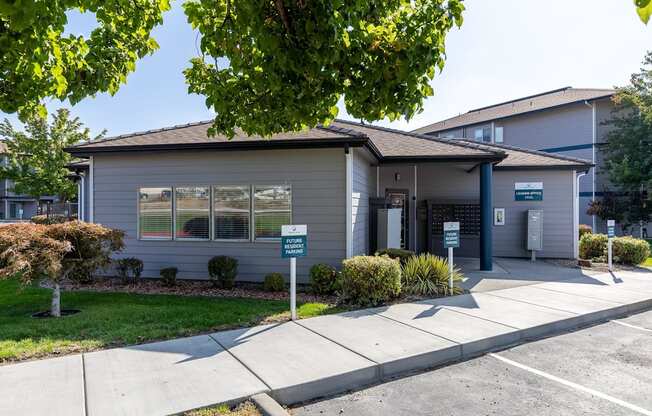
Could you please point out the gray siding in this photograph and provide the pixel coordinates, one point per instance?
(451, 183)
(557, 206)
(318, 199)
(363, 187)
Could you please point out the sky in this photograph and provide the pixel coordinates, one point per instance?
(504, 50)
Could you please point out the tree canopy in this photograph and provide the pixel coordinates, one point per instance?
(290, 61)
(628, 148)
(39, 60)
(266, 65)
(36, 157)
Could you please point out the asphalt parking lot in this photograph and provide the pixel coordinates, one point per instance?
(600, 370)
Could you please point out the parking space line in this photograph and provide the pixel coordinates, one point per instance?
(575, 386)
(640, 328)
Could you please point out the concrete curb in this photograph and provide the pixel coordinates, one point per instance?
(268, 406)
(351, 381)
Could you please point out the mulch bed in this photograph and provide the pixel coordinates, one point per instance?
(191, 288)
(595, 266)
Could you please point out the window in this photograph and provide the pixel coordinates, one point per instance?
(483, 134)
(192, 212)
(231, 211)
(272, 208)
(155, 213)
(15, 210)
(499, 135)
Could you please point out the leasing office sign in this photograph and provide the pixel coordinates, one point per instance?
(528, 191)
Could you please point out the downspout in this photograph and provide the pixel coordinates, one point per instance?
(576, 213)
(594, 133)
(91, 190)
(82, 198)
(349, 202)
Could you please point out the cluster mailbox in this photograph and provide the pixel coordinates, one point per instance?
(534, 231)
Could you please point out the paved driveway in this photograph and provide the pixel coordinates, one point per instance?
(509, 272)
(601, 370)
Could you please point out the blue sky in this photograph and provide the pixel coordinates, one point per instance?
(505, 49)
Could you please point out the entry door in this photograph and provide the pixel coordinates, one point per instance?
(399, 199)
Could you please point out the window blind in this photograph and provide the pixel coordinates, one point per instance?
(192, 210)
(155, 213)
(272, 209)
(231, 212)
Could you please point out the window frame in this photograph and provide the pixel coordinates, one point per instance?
(502, 134)
(253, 213)
(138, 220)
(174, 213)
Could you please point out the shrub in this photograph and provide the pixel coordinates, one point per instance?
(274, 282)
(92, 247)
(593, 245)
(129, 268)
(324, 279)
(52, 219)
(630, 250)
(585, 229)
(169, 276)
(396, 253)
(223, 270)
(370, 280)
(428, 275)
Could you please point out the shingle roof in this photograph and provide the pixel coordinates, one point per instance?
(197, 133)
(545, 100)
(518, 158)
(386, 144)
(396, 144)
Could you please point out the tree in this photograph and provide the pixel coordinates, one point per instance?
(34, 252)
(39, 60)
(36, 158)
(266, 65)
(290, 61)
(628, 148)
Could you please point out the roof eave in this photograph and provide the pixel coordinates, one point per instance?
(422, 130)
(443, 159)
(225, 146)
(543, 167)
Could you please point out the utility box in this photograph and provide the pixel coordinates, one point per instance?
(535, 230)
(389, 228)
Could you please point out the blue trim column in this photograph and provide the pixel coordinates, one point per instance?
(486, 203)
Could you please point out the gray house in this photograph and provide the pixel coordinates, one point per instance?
(183, 197)
(567, 121)
(14, 207)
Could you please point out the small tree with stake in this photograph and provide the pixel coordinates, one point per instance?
(34, 252)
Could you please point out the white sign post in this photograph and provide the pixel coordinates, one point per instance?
(293, 244)
(611, 233)
(451, 241)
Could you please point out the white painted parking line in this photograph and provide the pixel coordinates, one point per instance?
(640, 328)
(576, 386)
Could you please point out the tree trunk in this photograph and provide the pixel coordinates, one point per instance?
(55, 310)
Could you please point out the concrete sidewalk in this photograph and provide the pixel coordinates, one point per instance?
(307, 359)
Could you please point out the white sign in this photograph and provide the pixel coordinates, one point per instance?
(451, 226)
(611, 223)
(527, 186)
(294, 230)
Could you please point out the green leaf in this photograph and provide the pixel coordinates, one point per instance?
(644, 10)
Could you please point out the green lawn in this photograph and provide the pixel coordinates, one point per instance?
(648, 262)
(114, 319)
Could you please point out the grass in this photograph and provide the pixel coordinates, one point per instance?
(648, 262)
(244, 409)
(116, 319)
